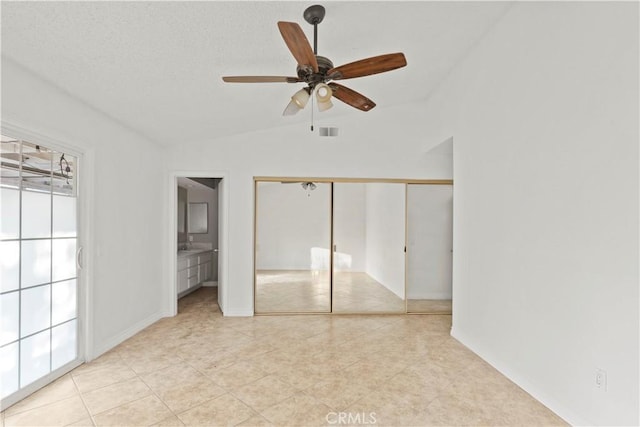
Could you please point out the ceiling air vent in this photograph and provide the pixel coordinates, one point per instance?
(325, 131)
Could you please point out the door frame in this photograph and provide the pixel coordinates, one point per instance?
(332, 181)
(84, 297)
(223, 235)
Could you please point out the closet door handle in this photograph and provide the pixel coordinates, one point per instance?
(79, 265)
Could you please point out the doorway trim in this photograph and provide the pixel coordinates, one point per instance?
(223, 235)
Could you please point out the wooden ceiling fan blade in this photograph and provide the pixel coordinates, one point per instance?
(260, 79)
(298, 44)
(368, 66)
(351, 97)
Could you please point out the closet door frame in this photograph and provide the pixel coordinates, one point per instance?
(332, 181)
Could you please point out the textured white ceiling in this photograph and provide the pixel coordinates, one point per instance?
(156, 66)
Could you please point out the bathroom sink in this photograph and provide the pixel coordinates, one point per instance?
(190, 251)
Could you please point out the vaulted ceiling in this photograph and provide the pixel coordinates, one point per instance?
(156, 67)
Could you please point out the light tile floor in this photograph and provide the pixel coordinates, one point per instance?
(200, 368)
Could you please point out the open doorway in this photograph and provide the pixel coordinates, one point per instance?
(197, 244)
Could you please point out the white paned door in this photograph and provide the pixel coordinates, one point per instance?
(39, 339)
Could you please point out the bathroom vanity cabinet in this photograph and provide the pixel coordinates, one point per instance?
(194, 268)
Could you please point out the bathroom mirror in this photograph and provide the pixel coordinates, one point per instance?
(182, 215)
(198, 218)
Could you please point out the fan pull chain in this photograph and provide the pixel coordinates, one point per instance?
(312, 104)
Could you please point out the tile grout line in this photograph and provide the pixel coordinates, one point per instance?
(156, 395)
(105, 386)
(226, 389)
(93, 421)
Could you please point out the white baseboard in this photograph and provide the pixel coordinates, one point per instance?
(126, 334)
(238, 313)
(430, 295)
(210, 284)
(569, 416)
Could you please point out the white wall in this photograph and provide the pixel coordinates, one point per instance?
(122, 230)
(385, 235)
(544, 114)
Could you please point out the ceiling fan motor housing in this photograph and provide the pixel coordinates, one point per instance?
(307, 74)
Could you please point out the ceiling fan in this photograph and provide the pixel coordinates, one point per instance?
(318, 72)
(306, 185)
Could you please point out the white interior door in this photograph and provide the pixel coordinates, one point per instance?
(39, 337)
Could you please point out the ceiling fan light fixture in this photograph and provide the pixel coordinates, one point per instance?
(292, 108)
(308, 186)
(324, 106)
(323, 94)
(301, 98)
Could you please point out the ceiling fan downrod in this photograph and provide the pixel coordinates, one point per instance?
(314, 15)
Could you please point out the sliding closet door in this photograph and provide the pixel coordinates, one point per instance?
(369, 238)
(292, 248)
(38, 287)
(429, 249)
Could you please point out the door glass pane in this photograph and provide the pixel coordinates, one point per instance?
(9, 369)
(429, 248)
(293, 238)
(35, 309)
(36, 168)
(10, 167)
(63, 344)
(36, 215)
(10, 208)
(9, 325)
(36, 262)
(9, 265)
(63, 301)
(369, 235)
(34, 357)
(64, 216)
(64, 259)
